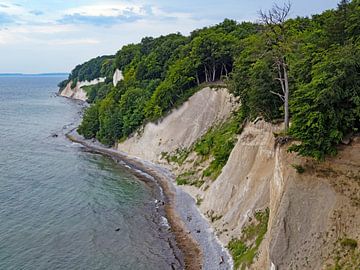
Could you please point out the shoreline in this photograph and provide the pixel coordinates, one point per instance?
(191, 253)
(199, 246)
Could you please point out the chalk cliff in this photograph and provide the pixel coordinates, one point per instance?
(314, 207)
(78, 92)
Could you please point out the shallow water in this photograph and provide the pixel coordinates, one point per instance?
(60, 206)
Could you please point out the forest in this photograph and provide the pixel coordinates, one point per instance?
(304, 71)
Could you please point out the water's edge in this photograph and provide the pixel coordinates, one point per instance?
(195, 245)
(185, 248)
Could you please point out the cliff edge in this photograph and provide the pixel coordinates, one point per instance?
(78, 92)
(308, 212)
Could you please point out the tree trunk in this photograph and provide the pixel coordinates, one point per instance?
(286, 97)
(197, 78)
(226, 71)
(214, 73)
(206, 74)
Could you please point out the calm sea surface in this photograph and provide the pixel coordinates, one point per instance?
(60, 206)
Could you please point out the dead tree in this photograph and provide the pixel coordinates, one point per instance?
(276, 34)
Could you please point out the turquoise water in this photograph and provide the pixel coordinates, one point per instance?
(60, 206)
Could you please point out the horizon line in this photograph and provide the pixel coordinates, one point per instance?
(32, 74)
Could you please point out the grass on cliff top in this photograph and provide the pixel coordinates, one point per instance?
(245, 249)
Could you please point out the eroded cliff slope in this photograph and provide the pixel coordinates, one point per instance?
(274, 209)
(182, 127)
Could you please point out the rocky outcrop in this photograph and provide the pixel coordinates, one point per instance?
(313, 210)
(313, 205)
(78, 92)
(118, 76)
(243, 185)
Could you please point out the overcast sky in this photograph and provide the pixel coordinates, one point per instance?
(39, 36)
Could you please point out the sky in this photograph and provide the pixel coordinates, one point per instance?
(53, 36)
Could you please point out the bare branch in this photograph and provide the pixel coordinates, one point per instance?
(276, 15)
(279, 95)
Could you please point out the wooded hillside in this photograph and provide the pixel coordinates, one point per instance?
(321, 56)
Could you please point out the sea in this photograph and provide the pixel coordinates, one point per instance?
(61, 206)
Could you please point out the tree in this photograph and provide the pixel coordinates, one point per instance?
(214, 52)
(276, 31)
(327, 108)
(252, 78)
(90, 123)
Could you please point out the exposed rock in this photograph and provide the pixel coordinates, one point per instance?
(309, 212)
(118, 76)
(183, 126)
(78, 92)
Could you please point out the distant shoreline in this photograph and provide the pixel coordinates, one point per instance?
(60, 74)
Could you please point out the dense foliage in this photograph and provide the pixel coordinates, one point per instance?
(324, 63)
(102, 66)
(322, 57)
(159, 74)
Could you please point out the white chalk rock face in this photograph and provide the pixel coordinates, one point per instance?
(118, 76)
(77, 92)
(183, 126)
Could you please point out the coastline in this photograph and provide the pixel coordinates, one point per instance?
(199, 247)
(190, 250)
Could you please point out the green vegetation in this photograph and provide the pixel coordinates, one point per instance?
(215, 146)
(350, 243)
(245, 249)
(101, 66)
(178, 157)
(299, 169)
(320, 55)
(218, 143)
(199, 200)
(189, 178)
(159, 74)
(97, 92)
(184, 178)
(322, 58)
(346, 255)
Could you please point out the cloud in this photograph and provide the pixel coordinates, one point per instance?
(6, 19)
(98, 20)
(35, 34)
(12, 9)
(36, 12)
(104, 14)
(80, 41)
(108, 10)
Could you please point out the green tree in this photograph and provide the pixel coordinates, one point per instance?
(328, 107)
(90, 123)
